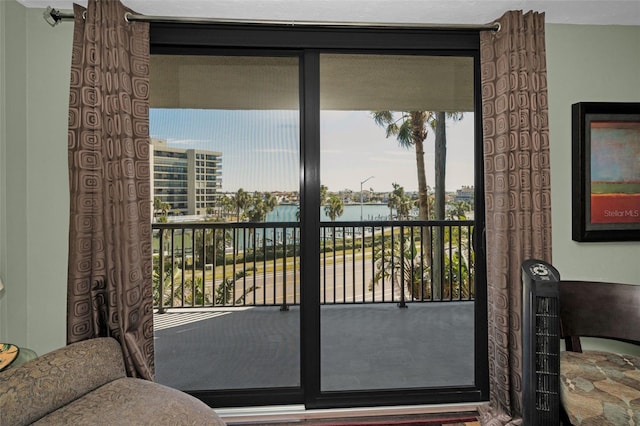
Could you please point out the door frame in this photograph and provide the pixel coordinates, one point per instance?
(308, 43)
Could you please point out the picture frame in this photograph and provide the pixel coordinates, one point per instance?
(605, 171)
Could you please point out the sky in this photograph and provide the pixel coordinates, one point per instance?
(260, 149)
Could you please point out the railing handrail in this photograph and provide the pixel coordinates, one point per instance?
(357, 224)
(398, 223)
(223, 225)
(378, 261)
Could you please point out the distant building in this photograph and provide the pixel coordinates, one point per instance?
(465, 193)
(187, 179)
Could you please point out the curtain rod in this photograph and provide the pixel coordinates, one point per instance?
(54, 16)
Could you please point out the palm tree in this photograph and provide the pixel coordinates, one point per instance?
(219, 211)
(410, 129)
(440, 128)
(259, 205)
(438, 124)
(161, 207)
(162, 281)
(227, 204)
(324, 191)
(157, 203)
(241, 201)
(458, 210)
(399, 201)
(399, 260)
(334, 207)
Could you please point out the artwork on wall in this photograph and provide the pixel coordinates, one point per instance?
(606, 171)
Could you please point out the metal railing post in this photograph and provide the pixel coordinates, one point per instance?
(161, 274)
(284, 307)
(403, 303)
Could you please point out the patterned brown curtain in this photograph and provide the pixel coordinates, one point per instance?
(110, 270)
(518, 192)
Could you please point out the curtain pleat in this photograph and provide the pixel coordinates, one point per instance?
(110, 270)
(517, 191)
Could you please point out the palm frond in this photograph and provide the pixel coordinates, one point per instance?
(404, 134)
(392, 130)
(433, 122)
(382, 118)
(455, 115)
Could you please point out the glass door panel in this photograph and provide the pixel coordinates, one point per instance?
(397, 284)
(226, 175)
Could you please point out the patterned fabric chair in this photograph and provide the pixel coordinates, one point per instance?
(85, 384)
(599, 388)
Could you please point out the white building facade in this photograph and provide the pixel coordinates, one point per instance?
(186, 179)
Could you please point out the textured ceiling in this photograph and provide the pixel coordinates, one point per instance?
(599, 12)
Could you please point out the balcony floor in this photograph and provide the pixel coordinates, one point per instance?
(371, 346)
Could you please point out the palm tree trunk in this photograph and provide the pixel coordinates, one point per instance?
(419, 135)
(423, 204)
(441, 164)
(440, 172)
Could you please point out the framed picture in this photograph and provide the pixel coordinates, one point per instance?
(606, 171)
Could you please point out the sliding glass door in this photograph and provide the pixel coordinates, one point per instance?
(317, 197)
(397, 274)
(226, 148)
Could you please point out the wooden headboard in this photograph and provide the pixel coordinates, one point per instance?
(599, 309)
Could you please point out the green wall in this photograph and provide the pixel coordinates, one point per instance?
(3, 258)
(588, 63)
(585, 63)
(14, 297)
(34, 208)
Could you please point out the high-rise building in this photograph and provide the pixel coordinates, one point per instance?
(187, 179)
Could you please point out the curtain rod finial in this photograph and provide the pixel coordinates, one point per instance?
(52, 16)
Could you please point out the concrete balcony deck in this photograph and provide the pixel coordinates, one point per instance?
(363, 347)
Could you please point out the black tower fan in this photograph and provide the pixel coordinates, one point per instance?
(540, 344)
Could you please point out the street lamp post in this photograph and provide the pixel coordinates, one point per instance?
(362, 183)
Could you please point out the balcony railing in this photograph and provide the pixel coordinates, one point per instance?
(258, 264)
